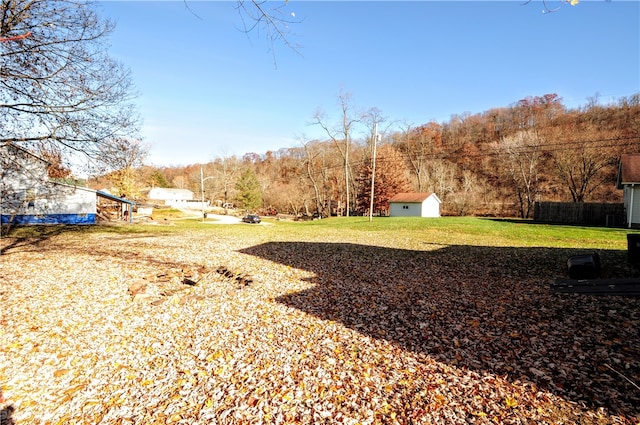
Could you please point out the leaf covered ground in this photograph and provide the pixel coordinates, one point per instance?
(239, 327)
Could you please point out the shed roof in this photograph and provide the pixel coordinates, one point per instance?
(411, 197)
(629, 171)
(114, 198)
(10, 145)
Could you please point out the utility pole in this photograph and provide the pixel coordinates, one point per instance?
(202, 193)
(373, 169)
(202, 179)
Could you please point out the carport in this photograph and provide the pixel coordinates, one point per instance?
(122, 205)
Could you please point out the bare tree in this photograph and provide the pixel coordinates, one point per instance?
(442, 179)
(341, 137)
(226, 171)
(520, 154)
(311, 157)
(59, 89)
(419, 144)
(124, 157)
(580, 166)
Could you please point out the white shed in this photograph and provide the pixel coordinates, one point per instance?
(629, 182)
(414, 205)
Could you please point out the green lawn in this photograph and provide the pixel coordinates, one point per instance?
(409, 232)
(483, 231)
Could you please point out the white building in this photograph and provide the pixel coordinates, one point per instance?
(414, 205)
(28, 196)
(629, 182)
(177, 198)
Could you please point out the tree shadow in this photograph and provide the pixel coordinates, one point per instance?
(36, 235)
(554, 223)
(487, 309)
(19, 238)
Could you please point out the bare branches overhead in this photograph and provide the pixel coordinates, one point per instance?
(58, 85)
(269, 17)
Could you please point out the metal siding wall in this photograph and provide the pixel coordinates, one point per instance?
(396, 210)
(80, 202)
(50, 219)
(635, 213)
(55, 204)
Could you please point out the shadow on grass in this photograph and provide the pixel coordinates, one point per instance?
(487, 309)
(555, 223)
(25, 236)
(18, 238)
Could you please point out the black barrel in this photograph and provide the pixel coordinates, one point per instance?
(585, 266)
(633, 248)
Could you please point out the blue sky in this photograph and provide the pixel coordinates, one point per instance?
(209, 90)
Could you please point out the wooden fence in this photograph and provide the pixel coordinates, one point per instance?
(580, 213)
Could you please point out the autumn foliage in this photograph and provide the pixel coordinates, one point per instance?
(391, 178)
(497, 163)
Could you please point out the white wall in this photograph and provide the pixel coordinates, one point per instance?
(27, 195)
(163, 194)
(405, 209)
(431, 207)
(632, 194)
(50, 199)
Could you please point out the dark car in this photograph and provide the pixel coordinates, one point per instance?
(251, 218)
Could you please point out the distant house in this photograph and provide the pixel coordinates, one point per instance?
(172, 197)
(414, 205)
(629, 182)
(28, 196)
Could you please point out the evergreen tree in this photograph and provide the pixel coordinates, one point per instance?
(158, 179)
(250, 195)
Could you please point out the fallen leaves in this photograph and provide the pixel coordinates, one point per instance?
(302, 333)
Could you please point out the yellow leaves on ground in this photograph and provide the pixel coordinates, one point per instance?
(58, 373)
(510, 402)
(408, 338)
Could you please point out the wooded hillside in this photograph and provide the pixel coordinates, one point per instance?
(498, 162)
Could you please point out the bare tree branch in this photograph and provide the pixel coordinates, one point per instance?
(548, 9)
(58, 85)
(275, 22)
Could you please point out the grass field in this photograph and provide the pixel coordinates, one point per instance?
(407, 321)
(463, 230)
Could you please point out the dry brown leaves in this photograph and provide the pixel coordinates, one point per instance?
(324, 332)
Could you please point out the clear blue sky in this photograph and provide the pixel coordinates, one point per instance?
(208, 90)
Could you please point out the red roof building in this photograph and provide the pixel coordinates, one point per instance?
(414, 205)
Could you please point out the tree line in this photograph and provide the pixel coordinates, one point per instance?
(496, 163)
